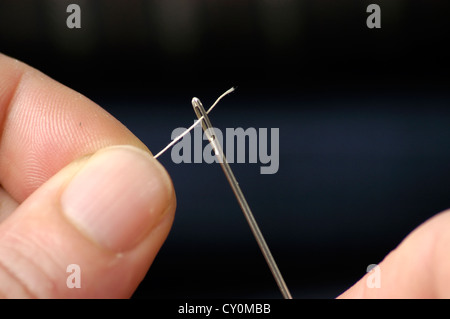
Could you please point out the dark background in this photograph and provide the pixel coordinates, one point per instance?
(363, 115)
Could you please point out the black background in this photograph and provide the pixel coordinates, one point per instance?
(363, 115)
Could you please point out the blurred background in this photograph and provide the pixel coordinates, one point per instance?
(364, 119)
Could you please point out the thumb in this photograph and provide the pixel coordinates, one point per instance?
(91, 231)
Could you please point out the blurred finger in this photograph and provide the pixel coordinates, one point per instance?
(418, 268)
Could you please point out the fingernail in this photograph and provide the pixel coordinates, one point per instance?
(117, 197)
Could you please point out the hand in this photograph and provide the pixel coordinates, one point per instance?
(82, 201)
(418, 268)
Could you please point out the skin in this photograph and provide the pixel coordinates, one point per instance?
(49, 134)
(418, 268)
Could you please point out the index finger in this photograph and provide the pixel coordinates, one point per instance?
(45, 126)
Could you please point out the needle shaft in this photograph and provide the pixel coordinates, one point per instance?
(209, 131)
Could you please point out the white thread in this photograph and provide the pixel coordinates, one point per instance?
(193, 125)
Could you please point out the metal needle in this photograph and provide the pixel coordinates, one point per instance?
(209, 131)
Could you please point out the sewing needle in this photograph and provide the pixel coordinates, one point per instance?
(210, 134)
